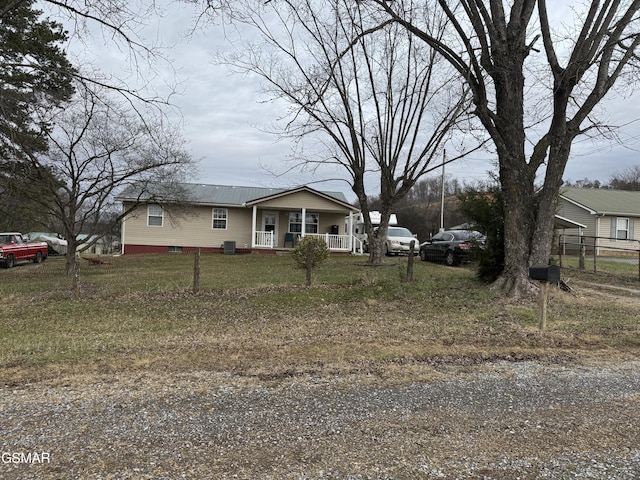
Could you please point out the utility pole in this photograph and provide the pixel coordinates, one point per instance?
(444, 160)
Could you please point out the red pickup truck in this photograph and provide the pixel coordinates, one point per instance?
(14, 249)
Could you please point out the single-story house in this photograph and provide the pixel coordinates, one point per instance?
(221, 218)
(610, 218)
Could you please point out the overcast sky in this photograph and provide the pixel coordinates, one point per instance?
(225, 116)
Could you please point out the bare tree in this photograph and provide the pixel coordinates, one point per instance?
(120, 25)
(97, 148)
(372, 99)
(37, 77)
(495, 47)
(628, 179)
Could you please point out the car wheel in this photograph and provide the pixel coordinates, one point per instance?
(38, 258)
(450, 258)
(10, 262)
(386, 250)
(423, 255)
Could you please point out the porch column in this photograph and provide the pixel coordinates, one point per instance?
(596, 240)
(350, 242)
(124, 221)
(254, 217)
(304, 221)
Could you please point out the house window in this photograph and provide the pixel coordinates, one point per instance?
(155, 215)
(220, 216)
(622, 228)
(311, 222)
(175, 249)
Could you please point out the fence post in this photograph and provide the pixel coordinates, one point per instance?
(561, 240)
(196, 271)
(76, 278)
(309, 262)
(410, 261)
(544, 294)
(582, 253)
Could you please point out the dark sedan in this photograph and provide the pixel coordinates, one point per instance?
(451, 246)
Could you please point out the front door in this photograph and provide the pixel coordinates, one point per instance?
(270, 224)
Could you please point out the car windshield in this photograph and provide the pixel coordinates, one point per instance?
(399, 232)
(6, 238)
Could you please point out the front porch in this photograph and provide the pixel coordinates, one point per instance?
(276, 228)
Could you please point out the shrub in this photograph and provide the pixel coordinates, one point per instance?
(484, 206)
(313, 247)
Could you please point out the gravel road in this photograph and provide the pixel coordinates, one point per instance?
(502, 420)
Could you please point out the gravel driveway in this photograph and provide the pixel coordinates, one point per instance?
(500, 420)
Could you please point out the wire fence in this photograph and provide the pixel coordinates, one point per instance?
(600, 254)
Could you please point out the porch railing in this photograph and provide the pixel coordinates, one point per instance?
(357, 246)
(265, 239)
(334, 242)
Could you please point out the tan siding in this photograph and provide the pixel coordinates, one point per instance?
(300, 200)
(326, 219)
(192, 229)
(604, 227)
(618, 245)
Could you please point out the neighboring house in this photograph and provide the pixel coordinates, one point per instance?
(218, 218)
(612, 215)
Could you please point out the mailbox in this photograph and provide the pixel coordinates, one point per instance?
(545, 273)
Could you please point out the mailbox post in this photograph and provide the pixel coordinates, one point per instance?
(546, 274)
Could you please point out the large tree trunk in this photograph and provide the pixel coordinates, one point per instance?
(376, 248)
(519, 225)
(561, 137)
(542, 239)
(377, 238)
(506, 128)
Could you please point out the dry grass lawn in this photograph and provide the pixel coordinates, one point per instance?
(254, 316)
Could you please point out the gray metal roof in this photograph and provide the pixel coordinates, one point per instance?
(222, 195)
(604, 201)
(227, 194)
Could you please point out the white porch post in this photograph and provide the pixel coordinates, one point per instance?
(596, 241)
(351, 243)
(124, 221)
(304, 221)
(253, 226)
